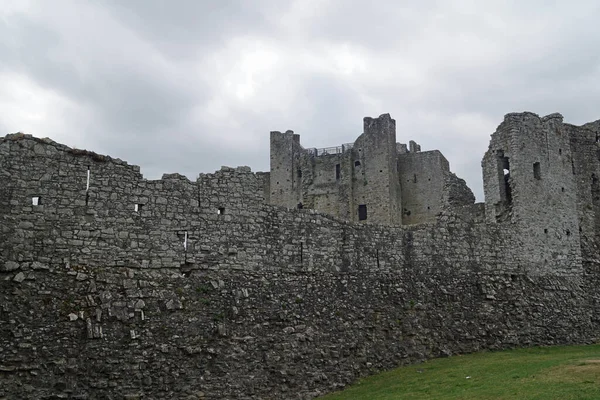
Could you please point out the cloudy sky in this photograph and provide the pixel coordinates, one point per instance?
(190, 85)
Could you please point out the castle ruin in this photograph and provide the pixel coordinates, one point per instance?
(373, 179)
(291, 283)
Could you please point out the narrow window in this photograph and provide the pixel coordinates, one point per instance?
(300, 206)
(415, 178)
(338, 172)
(221, 210)
(560, 152)
(185, 241)
(36, 201)
(356, 164)
(537, 172)
(138, 207)
(87, 186)
(504, 176)
(362, 212)
(299, 173)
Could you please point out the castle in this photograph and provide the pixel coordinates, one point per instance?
(373, 179)
(334, 264)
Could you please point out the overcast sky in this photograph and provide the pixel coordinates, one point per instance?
(189, 85)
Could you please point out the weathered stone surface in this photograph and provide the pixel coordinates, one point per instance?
(206, 291)
(19, 277)
(9, 266)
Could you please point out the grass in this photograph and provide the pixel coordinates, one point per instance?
(561, 372)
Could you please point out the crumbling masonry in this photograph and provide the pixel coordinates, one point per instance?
(337, 263)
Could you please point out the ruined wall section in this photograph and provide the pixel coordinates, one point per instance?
(585, 150)
(422, 176)
(456, 192)
(538, 194)
(429, 188)
(326, 183)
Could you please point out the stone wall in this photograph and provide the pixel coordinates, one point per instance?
(422, 179)
(132, 288)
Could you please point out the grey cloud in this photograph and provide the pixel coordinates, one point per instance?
(145, 91)
(188, 28)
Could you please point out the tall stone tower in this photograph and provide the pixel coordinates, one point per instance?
(529, 187)
(285, 164)
(377, 189)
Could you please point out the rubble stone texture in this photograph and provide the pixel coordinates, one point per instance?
(117, 287)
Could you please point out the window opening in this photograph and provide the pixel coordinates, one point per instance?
(537, 171)
(221, 210)
(185, 241)
(560, 152)
(415, 178)
(300, 206)
(362, 212)
(505, 187)
(356, 163)
(36, 201)
(299, 173)
(138, 207)
(87, 186)
(338, 172)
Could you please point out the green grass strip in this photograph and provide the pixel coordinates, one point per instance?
(560, 372)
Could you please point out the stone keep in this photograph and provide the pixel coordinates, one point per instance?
(115, 286)
(373, 180)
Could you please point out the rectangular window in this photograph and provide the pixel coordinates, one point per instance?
(338, 172)
(221, 210)
(362, 212)
(36, 201)
(537, 172)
